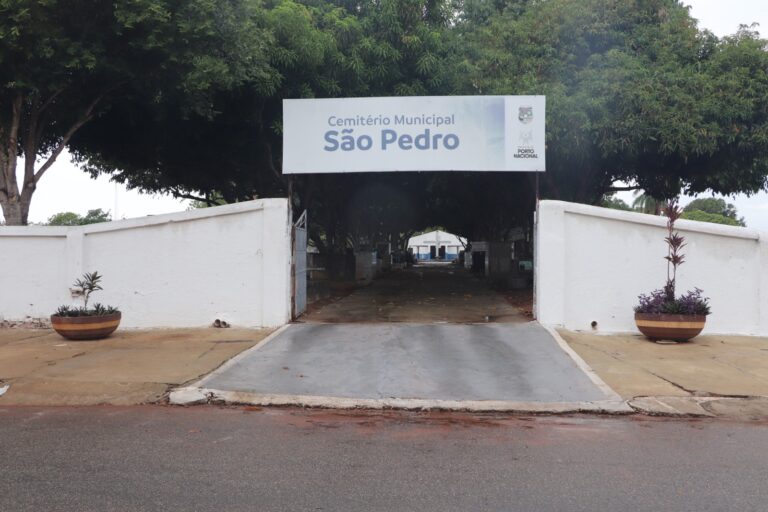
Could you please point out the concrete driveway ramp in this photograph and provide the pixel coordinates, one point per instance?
(366, 365)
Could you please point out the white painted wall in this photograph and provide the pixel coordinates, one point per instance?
(420, 244)
(592, 263)
(433, 237)
(177, 270)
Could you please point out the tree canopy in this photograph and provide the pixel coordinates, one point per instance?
(636, 93)
(713, 209)
(63, 64)
(714, 218)
(615, 203)
(74, 219)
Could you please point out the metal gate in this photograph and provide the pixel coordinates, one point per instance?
(299, 267)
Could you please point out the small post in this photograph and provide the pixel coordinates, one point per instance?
(290, 198)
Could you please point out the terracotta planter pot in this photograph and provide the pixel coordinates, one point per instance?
(670, 327)
(85, 327)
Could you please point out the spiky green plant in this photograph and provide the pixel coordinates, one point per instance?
(87, 285)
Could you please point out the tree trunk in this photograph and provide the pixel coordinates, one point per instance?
(15, 205)
(15, 213)
(23, 126)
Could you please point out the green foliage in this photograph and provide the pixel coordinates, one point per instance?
(73, 219)
(318, 49)
(635, 93)
(84, 287)
(63, 64)
(64, 219)
(714, 218)
(715, 206)
(96, 216)
(193, 92)
(98, 310)
(615, 203)
(645, 203)
(212, 199)
(665, 301)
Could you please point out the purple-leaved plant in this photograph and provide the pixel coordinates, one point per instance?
(692, 303)
(652, 303)
(664, 301)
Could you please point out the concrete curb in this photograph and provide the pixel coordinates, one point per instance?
(684, 406)
(746, 407)
(201, 395)
(583, 366)
(663, 406)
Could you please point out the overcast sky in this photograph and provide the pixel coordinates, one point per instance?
(66, 188)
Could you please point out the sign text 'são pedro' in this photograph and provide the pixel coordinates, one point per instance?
(429, 133)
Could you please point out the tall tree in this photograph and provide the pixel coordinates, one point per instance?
(635, 93)
(713, 206)
(237, 152)
(63, 63)
(318, 49)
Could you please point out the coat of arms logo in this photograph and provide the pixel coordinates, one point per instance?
(525, 114)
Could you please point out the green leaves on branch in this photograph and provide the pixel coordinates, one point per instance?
(188, 93)
(711, 209)
(635, 93)
(97, 310)
(88, 284)
(84, 287)
(73, 219)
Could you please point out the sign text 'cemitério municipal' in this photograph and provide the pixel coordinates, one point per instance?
(443, 133)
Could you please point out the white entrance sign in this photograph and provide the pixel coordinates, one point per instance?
(416, 133)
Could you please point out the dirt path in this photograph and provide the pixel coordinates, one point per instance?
(421, 294)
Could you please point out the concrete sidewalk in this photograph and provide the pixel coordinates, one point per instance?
(708, 376)
(724, 376)
(130, 367)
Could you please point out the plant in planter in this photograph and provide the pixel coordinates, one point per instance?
(81, 323)
(663, 315)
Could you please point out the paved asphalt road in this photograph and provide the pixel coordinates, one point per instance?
(518, 362)
(211, 458)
